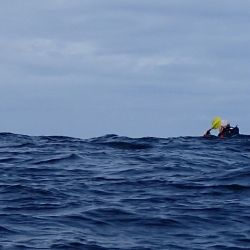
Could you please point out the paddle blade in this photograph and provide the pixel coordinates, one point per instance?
(216, 123)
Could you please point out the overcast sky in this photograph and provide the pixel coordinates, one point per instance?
(87, 68)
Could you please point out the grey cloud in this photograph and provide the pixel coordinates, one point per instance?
(123, 62)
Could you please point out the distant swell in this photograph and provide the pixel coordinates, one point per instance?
(126, 145)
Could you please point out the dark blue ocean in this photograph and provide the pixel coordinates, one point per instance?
(119, 193)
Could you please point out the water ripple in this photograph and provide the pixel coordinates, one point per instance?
(120, 193)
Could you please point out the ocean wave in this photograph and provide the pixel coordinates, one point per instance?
(121, 193)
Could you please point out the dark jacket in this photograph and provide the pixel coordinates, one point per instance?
(229, 131)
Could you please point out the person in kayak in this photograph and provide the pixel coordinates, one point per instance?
(225, 130)
(228, 131)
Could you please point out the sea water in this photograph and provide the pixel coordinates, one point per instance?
(117, 193)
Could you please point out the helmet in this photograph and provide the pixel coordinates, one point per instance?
(224, 123)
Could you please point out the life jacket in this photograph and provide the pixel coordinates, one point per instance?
(229, 131)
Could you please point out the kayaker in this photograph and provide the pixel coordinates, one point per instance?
(225, 130)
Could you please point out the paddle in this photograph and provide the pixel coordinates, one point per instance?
(216, 122)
